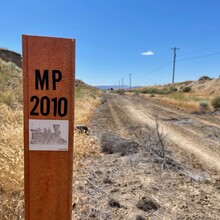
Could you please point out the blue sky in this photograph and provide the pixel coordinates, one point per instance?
(111, 36)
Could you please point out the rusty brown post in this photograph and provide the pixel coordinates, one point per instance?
(49, 70)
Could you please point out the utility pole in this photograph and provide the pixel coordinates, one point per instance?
(119, 86)
(122, 84)
(174, 61)
(130, 80)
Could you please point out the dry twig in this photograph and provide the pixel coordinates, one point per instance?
(96, 186)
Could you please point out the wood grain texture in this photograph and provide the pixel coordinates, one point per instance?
(48, 174)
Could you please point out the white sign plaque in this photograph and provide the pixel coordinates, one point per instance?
(48, 135)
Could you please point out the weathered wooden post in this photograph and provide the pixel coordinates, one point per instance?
(49, 70)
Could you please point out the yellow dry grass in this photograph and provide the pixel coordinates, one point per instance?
(84, 108)
(189, 102)
(85, 145)
(11, 169)
(184, 105)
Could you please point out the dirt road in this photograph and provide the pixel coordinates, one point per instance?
(194, 134)
(133, 180)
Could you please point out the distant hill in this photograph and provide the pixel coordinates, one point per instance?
(82, 90)
(11, 56)
(80, 83)
(208, 87)
(199, 87)
(11, 92)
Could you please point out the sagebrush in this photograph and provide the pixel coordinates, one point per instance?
(216, 102)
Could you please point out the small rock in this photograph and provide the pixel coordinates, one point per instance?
(139, 217)
(114, 203)
(147, 204)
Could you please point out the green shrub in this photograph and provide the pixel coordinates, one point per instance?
(203, 105)
(187, 89)
(120, 92)
(184, 83)
(136, 91)
(11, 92)
(216, 102)
(179, 96)
(156, 91)
(204, 78)
(165, 91)
(173, 89)
(7, 98)
(92, 95)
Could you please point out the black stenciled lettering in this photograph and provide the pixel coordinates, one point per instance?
(62, 106)
(54, 100)
(35, 105)
(45, 106)
(41, 81)
(56, 77)
(59, 106)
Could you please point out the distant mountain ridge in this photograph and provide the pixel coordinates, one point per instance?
(106, 87)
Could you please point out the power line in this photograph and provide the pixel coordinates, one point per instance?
(161, 67)
(185, 59)
(198, 57)
(174, 61)
(130, 80)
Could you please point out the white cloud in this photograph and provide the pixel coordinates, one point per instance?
(148, 53)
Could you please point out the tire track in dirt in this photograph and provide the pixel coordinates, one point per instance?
(190, 139)
(194, 128)
(181, 140)
(203, 132)
(116, 118)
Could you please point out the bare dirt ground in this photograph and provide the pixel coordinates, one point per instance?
(133, 180)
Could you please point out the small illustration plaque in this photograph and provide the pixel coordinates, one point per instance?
(48, 135)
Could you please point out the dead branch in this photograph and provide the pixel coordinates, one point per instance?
(160, 138)
(156, 199)
(96, 186)
(157, 216)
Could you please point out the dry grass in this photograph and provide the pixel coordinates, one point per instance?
(11, 169)
(201, 91)
(184, 105)
(85, 145)
(84, 108)
(188, 102)
(10, 84)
